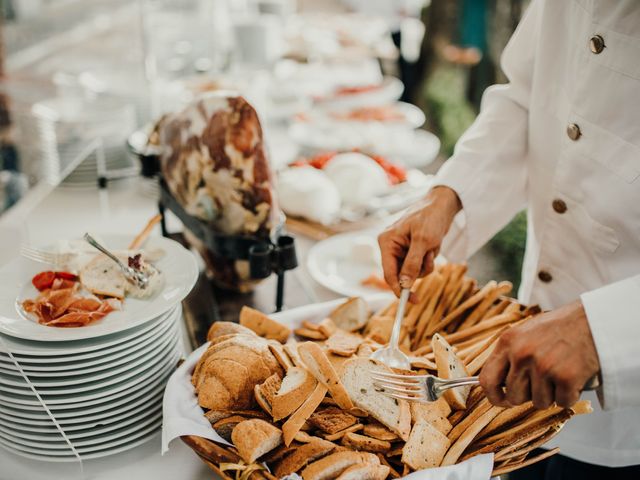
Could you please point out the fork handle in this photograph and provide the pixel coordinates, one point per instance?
(95, 244)
(458, 382)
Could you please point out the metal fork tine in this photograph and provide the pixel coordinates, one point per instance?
(397, 375)
(385, 381)
(38, 255)
(404, 397)
(400, 390)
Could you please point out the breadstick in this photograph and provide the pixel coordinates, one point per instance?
(425, 317)
(144, 234)
(422, 292)
(510, 468)
(474, 317)
(497, 308)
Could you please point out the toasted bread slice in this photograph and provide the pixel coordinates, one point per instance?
(332, 420)
(392, 413)
(334, 464)
(328, 327)
(216, 415)
(263, 325)
(364, 443)
(296, 387)
(302, 456)
(220, 329)
(319, 365)
(351, 315)
(343, 343)
(300, 416)
(253, 438)
(450, 366)
(225, 427)
(266, 392)
(435, 413)
(426, 446)
(379, 431)
(102, 276)
(365, 471)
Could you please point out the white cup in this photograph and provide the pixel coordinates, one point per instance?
(258, 39)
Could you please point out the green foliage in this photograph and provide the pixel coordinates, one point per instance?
(446, 103)
(508, 245)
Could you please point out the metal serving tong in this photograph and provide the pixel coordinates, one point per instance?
(429, 388)
(134, 276)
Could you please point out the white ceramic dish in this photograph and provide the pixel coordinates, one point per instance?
(330, 263)
(87, 382)
(178, 265)
(107, 422)
(101, 396)
(389, 91)
(96, 413)
(56, 442)
(134, 349)
(412, 116)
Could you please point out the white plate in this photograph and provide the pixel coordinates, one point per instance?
(133, 349)
(89, 456)
(178, 265)
(90, 381)
(97, 413)
(331, 265)
(97, 450)
(413, 117)
(390, 90)
(94, 442)
(102, 396)
(106, 422)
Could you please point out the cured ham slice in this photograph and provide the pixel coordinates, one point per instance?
(62, 306)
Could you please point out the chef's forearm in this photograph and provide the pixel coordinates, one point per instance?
(613, 312)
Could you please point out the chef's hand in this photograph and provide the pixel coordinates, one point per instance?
(546, 359)
(409, 246)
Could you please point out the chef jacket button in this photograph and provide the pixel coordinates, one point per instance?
(559, 205)
(573, 131)
(596, 44)
(544, 276)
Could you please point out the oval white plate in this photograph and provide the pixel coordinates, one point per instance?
(86, 382)
(141, 345)
(390, 90)
(100, 396)
(330, 264)
(413, 117)
(178, 265)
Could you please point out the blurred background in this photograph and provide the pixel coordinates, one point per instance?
(82, 80)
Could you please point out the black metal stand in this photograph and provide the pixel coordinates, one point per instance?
(265, 256)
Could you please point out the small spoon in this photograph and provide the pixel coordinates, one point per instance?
(391, 355)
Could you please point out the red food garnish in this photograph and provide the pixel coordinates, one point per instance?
(135, 262)
(67, 276)
(356, 89)
(43, 280)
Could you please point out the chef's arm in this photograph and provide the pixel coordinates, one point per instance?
(488, 169)
(613, 313)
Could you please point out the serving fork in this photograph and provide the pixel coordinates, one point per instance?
(429, 388)
(45, 256)
(136, 277)
(391, 355)
(417, 388)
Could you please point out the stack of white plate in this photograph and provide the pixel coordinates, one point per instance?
(82, 393)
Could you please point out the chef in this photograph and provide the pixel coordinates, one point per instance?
(561, 139)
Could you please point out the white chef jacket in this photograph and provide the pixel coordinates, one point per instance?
(562, 139)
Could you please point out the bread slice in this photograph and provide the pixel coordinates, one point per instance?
(225, 427)
(343, 343)
(296, 387)
(319, 365)
(392, 413)
(263, 325)
(216, 415)
(351, 315)
(450, 366)
(364, 443)
(426, 446)
(219, 329)
(301, 456)
(332, 420)
(334, 464)
(253, 438)
(379, 431)
(435, 413)
(300, 416)
(365, 471)
(277, 350)
(266, 392)
(102, 276)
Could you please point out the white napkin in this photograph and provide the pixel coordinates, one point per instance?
(183, 415)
